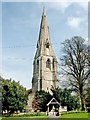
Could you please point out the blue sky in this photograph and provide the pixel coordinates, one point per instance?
(20, 31)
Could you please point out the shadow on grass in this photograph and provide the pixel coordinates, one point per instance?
(45, 119)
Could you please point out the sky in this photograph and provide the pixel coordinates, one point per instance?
(20, 30)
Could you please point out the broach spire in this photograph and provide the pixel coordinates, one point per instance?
(45, 71)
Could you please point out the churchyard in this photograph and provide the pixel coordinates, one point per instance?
(60, 89)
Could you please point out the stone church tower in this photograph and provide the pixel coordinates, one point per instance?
(45, 68)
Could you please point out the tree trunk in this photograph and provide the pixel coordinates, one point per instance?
(82, 97)
(82, 104)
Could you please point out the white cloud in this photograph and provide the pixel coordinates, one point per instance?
(58, 5)
(84, 5)
(74, 22)
(64, 4)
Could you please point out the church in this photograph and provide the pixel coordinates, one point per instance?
(45, 65)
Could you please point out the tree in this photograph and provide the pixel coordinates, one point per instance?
(75, 64)
(65, 98)
(56, 93)
(41, 98)
(73, 103)
(14, 96)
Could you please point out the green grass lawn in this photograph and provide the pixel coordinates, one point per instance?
(66, 116)
(76, 115)
(26, 118)
(30, 117)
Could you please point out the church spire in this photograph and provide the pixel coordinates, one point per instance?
(44, 38)
(45, 62)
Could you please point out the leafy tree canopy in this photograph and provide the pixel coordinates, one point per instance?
(14, 96)
(65, 98)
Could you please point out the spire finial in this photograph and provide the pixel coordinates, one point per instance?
(44, 14)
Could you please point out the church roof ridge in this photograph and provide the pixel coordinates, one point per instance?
(52, 100)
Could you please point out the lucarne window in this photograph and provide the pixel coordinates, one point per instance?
(47, 45)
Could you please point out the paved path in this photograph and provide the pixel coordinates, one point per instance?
(54, 118)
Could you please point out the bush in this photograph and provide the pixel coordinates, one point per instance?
(32, 114)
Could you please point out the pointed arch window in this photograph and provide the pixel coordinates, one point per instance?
(53, 63)
(48, 63)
